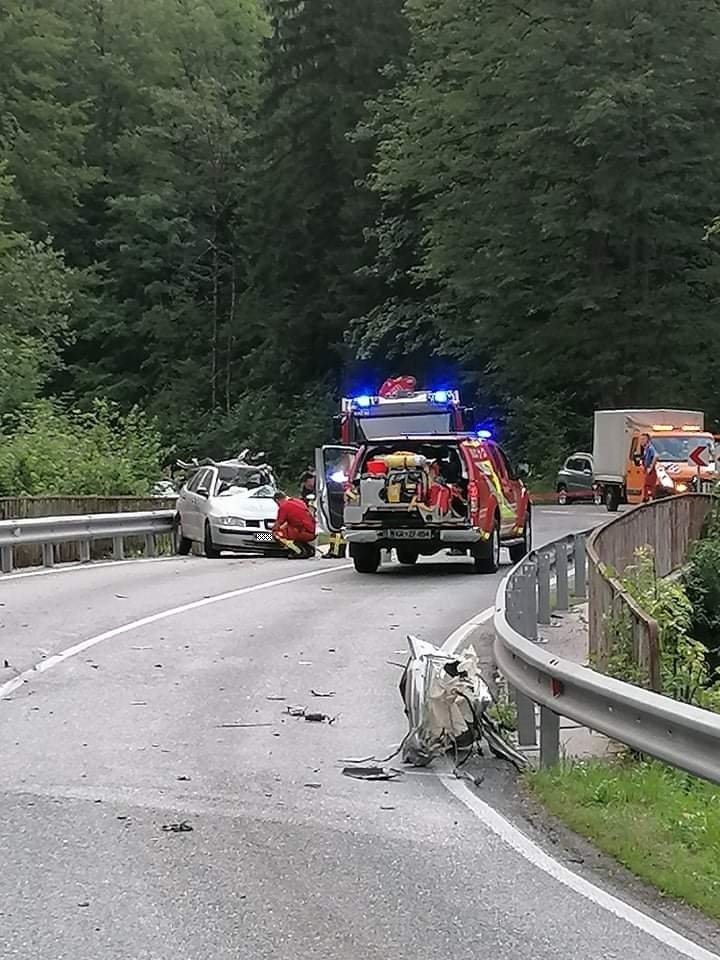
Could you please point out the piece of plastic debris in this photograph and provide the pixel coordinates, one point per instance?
(276, 698)
(240, 726)
(305, 663)
(184, 779)
(319, 718)
(371, 773)
(316, 693)
(182, 827)
(139, 703)
(313, 786)
(295, 711)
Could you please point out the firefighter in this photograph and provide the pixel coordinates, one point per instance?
(294, 527)
(307, 484)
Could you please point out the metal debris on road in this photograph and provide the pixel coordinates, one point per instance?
(447, 702)
(313, 786)
(184, 779)
(276, 698)
(295, 711)
(316, 693)
(371, 773)
(182, 827)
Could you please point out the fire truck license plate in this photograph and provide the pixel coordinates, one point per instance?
(410, 534)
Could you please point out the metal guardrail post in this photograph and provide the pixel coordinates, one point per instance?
(580, 567)
(84, 551)
(48, 554)
(150, 550)
(526, 725)
(529, 587)
(118, 548)
(543, 588)
(561, 574)
(7, 559)
(549, 737)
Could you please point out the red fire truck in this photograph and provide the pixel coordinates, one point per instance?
(409, 475)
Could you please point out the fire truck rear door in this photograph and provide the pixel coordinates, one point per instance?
(332, 471)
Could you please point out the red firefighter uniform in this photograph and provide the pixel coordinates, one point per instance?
(294, 522)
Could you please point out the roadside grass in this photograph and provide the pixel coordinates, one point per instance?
(662, 824)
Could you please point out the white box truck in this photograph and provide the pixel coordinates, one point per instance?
(619, 441)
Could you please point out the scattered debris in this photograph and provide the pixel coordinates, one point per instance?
(313, 786)
(6, 665)
(141, 648)
(182, 827)
(184, 779)
(305, 663)
(276, 698)
(316, 693)
(319, 718)
(121, 596)
(327, 589)
(447, 702)
(388, 808)
(237, 726)
(85, 903)
(139, 703)
(332, 650)
(371, 773)
(295, 711)
(158, 666)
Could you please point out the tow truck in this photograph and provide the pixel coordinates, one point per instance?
(410, 475)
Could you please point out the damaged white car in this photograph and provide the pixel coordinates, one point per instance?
(227, 505)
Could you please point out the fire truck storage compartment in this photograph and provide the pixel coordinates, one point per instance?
(401, 475)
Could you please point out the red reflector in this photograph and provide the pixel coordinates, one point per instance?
(556, 687)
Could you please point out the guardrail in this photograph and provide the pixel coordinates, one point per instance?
(670, 526)
(681, 735)
(48, 532)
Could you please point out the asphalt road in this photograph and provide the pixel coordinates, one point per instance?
(179, 719)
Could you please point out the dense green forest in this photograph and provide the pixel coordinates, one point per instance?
(218, 215)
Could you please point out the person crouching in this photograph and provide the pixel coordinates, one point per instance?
(294, 527)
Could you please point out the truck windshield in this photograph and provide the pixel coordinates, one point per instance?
(678, 449)
(407, 425)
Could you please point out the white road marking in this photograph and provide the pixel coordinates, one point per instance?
(528, 849)
(54, 661)
(543, 861)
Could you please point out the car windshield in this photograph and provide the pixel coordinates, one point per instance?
(678, 449)
(232, 479)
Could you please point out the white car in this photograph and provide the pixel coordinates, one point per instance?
(228, 506)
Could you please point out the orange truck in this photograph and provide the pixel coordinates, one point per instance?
(678, 439)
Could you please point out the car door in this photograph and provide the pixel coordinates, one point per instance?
(575, 477)
(584, 478)
(189, 506)
(333, 468)
(206, 490)
(509, 510)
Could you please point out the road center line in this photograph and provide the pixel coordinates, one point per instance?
(528, 849)
(27, 675)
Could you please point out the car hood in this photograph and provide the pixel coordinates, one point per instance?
(244, 505)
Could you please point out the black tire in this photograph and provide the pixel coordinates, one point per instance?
(520, 550)
(612, 499)
(366, 557)
(486, 555)
(209, 548)
(407, 555)
(183, 546)
(563, 497)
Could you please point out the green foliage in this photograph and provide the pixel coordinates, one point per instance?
(662, 824)
(48, 450)
(684, 669)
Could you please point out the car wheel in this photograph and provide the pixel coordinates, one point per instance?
(365, 557)
(520, 550)
(210, 550)
(407, 555)
(183, 546)
(612, 499)
(562, 495)
(486, 555)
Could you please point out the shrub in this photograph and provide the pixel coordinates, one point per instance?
(48, 450)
